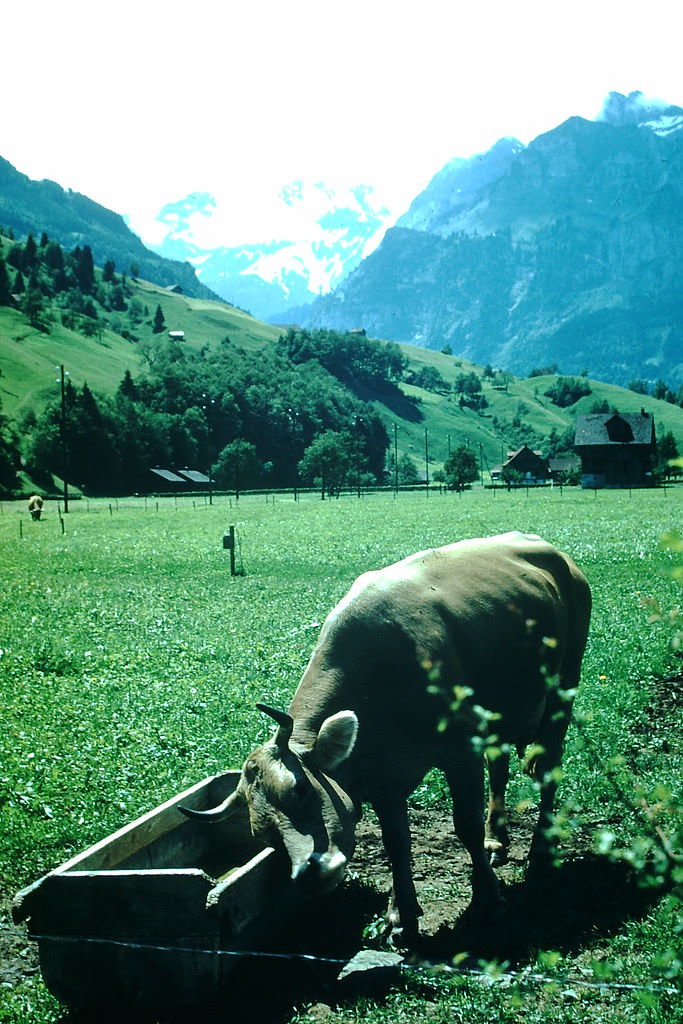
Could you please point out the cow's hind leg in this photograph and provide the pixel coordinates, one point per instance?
(497, 841)
(465, 774)
(545, 769)
(404, 910)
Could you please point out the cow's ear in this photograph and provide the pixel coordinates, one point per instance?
(336, 740)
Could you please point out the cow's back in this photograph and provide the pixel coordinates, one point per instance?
(480, 614)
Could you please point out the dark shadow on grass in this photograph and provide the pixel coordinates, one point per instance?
(564, 909)
(583, 899)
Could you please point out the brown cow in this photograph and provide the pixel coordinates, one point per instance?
(35, 506)
(420, 666)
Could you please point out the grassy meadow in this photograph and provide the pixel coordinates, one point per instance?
(131, 661)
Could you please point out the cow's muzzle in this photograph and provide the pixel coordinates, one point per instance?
(321, 872)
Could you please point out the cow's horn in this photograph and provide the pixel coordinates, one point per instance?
(217, 813)
(284, 721)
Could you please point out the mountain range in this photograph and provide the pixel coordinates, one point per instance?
(565, 252)
(332, 230)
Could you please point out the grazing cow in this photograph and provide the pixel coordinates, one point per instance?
(35, 506)
(423, 664)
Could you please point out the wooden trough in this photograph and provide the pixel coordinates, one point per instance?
(150, 916)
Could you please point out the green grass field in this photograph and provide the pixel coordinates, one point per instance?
(131, 660)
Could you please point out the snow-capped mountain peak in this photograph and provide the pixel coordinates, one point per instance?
(644, 112)
(316, 235)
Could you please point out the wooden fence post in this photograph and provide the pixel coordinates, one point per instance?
(229, 544)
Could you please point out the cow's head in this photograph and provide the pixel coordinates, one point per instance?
(294, 801)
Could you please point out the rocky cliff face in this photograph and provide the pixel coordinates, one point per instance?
(567, 251)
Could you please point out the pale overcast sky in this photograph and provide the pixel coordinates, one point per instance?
(139, 104)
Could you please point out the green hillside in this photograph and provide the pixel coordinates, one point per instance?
(74, 219)
(29, 357)
(521, 399)
(435, 403)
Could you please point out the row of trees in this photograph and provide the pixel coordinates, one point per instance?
(254, 422)
(297, 413)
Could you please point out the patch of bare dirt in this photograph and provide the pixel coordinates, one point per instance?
(18, 955)
(441, 865)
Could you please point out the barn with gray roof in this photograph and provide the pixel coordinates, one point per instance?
(616, 449)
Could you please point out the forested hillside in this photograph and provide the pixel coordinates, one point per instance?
(75, 220)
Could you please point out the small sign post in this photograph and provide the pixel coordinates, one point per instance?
(229, 545)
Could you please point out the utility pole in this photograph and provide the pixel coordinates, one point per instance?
(62, 431)
(395, 458)
(427, 460)
(357, 422)
(208, 402)
(293, 417)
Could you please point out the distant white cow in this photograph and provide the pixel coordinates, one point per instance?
(35, 506)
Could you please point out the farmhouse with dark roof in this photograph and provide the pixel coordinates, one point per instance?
(616, 449)
(523, 466)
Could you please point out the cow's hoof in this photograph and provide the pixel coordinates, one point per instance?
(493, 911)
(403, 937)
(497, 853)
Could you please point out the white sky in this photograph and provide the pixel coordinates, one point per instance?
(139, 104)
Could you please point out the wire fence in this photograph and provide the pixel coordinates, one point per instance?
(489, 973)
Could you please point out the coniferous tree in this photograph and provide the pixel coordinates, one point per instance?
(159, 322)
(54, 257)
(30, 253)
(117, 299)
(15, 257)
(128, 388)
(85, 270)
(5, 289)
(34, 308)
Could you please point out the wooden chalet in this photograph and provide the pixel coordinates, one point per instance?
(616, 449)
(523, 466)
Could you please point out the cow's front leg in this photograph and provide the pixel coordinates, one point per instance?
(497, 840)
(404, 910)
(465, 774)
